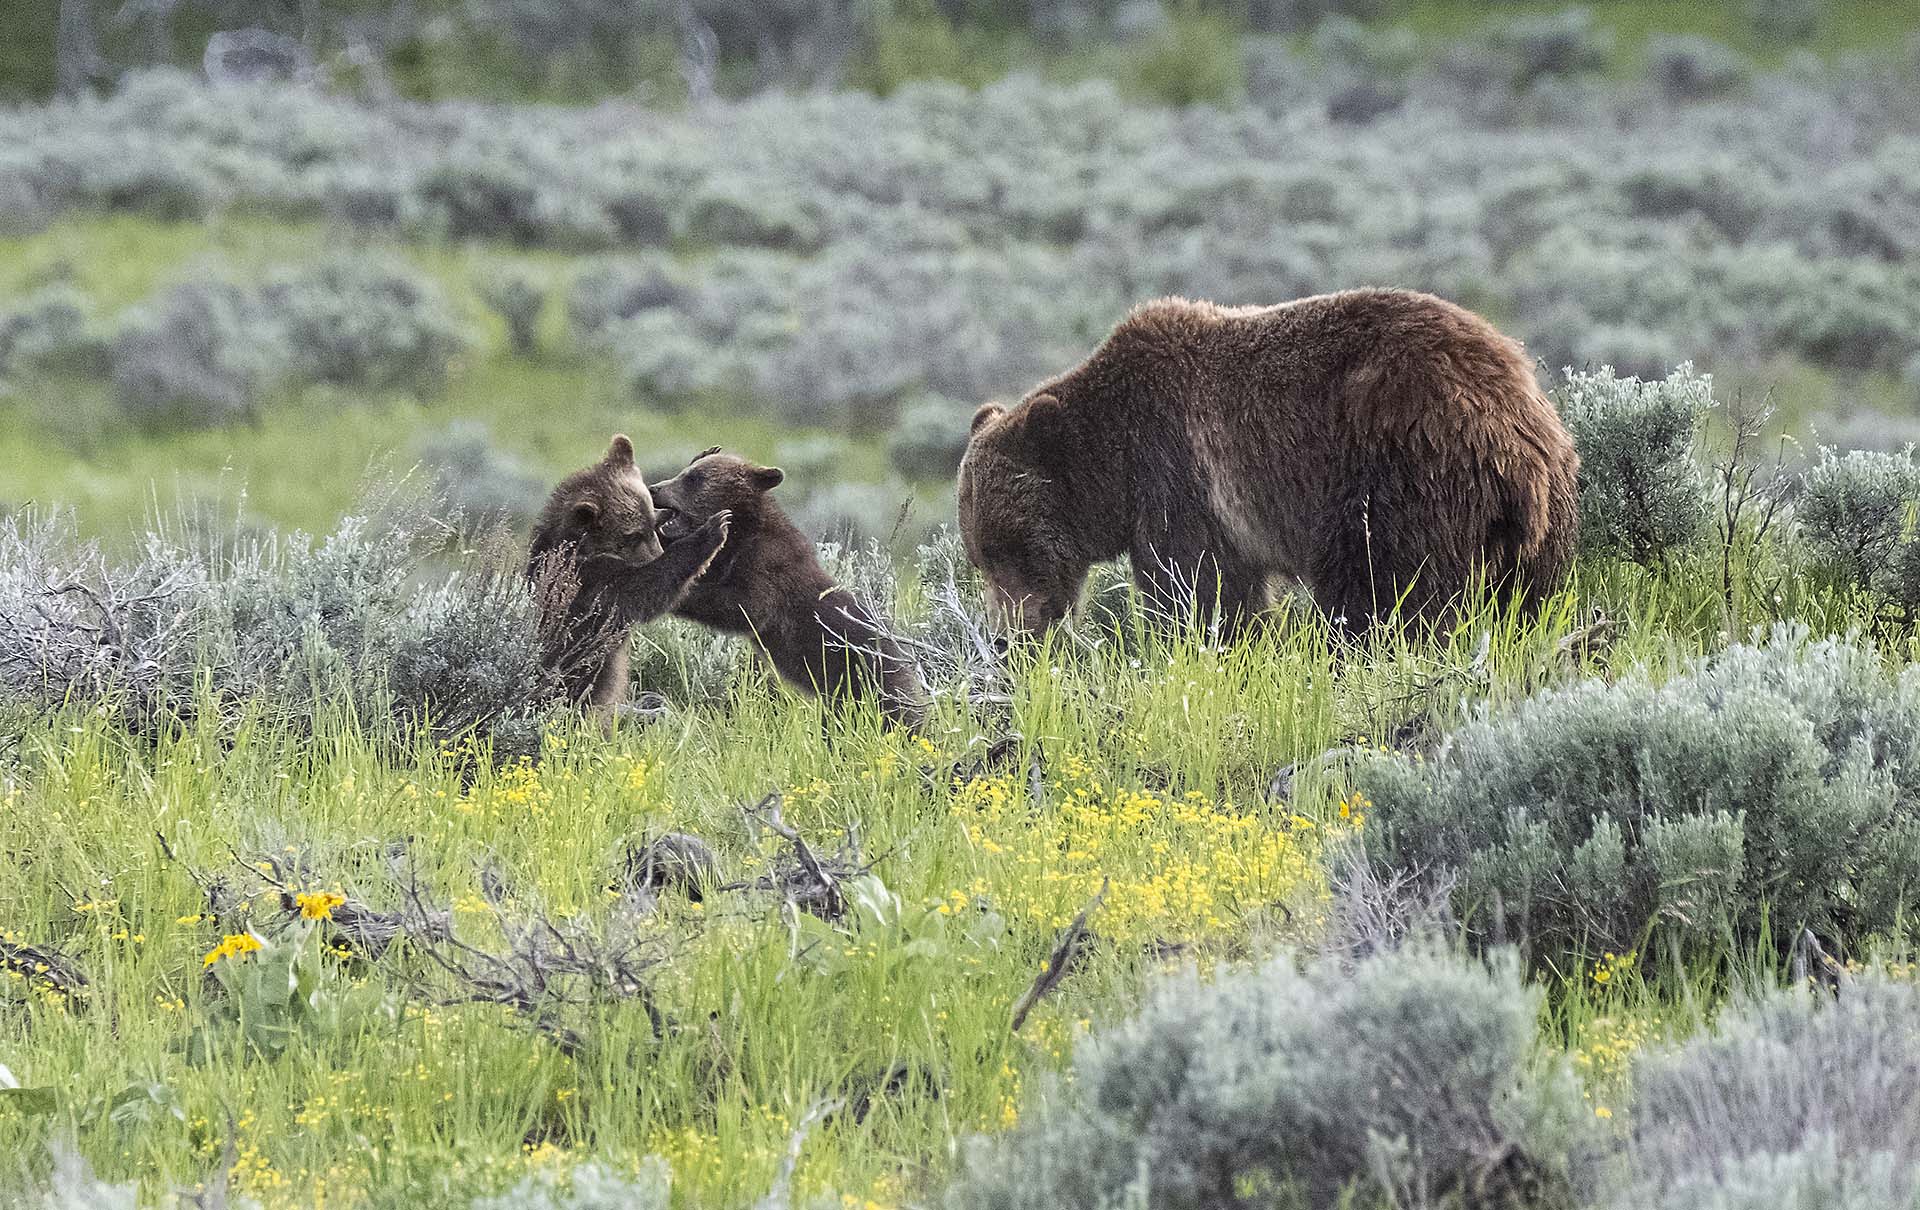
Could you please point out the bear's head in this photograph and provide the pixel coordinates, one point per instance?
(602, 512)
(1017, 516)
(713, 482)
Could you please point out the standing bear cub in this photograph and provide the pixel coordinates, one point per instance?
(1385, 448)
(599, 567)
(769, 585)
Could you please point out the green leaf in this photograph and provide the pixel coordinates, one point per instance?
(33, 1102)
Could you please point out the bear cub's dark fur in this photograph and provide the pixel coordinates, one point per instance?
(599, 566)
(768, 584)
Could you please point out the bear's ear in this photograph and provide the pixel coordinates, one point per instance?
(586, 513)
(986, 412)
(620, 453)
(705, 453)
(766, 478)
(1043, 416)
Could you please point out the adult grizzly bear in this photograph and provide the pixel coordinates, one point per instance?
(1381, 446)
(600, 568)
(769, 585)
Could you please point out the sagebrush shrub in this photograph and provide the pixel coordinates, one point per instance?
(1762, 790)
(1276, 1078)
(1793, 1100)
(1854, 510)
(1566, 43)
(1688, 67)
(202, 354)
(518, 300)
(1787, 20)
(52, 329)
(276, 623)
(1643, 492)
(483, 485)
(209, 352)
(359, 322)
(929, 439)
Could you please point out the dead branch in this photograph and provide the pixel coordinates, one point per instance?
(1070, 946)
(780, 1196)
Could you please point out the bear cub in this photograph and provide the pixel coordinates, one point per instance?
(599, 568)
(769, 585)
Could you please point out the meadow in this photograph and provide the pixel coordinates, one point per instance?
(313, 896)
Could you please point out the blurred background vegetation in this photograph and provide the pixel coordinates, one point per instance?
(253, 251)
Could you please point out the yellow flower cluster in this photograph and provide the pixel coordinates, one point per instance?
(517, 789)
(318, 905)
(234, 945)
(1606, 1049)
(1179, 866)
(1610, 965)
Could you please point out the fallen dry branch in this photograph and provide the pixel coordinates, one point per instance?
(41, 966)
(780, 1196)
(542, 971)
(353, 923)
(1071, 945)
(803, 878)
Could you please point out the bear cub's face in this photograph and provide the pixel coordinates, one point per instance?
(713, 482)
(605, 511)
(1011, 520)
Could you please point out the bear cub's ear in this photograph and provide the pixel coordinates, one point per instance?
(586, 513)
(766, 478)
(986, 412)
(620, 453)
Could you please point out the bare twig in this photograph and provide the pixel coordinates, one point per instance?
(780, 1196)
(1065, 951)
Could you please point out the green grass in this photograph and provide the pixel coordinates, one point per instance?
(1144, 765)
(1849, 25)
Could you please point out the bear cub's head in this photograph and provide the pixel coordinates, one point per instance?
(602, 512)
(713, 482)
(1016, 516)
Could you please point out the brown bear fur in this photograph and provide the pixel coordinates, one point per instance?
(1379, 446)
(769, 585)
(599, 564)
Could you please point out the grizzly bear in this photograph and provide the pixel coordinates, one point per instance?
(769, 585)
(600, 569)
(1384, 448)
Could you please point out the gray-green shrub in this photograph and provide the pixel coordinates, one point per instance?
(1785, 20)
(483, 485)
(199, 355)
(1854, 511)
(1688, 67)
(210, 352)
(1761, 790)
(360, 322)
(518, 300)
(1794, 1100)
(1643, 492)
(54, 328)
(929, 439)
(277, 623)
(1404, 1082)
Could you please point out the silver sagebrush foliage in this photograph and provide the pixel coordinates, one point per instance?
(1408, 1081)
(1643, 493)
(1770, 786)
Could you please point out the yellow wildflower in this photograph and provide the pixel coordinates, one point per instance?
(235, 945)
(318, 905)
